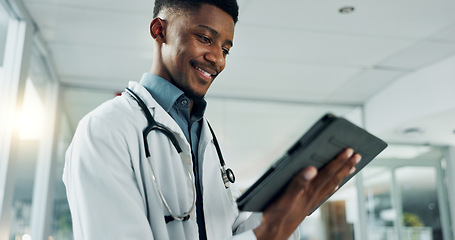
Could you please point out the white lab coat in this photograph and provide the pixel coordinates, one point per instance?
(105, 187)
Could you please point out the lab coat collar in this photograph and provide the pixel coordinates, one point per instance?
(143, 94)
(158, 113)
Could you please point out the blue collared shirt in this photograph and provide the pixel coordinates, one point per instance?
(177, 105)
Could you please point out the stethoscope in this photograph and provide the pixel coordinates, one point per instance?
(226, 174)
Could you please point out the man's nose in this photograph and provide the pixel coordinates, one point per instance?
(215, 56)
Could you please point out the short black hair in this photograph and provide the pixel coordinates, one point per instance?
(229, 6)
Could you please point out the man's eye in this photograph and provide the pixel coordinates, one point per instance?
(204, 39)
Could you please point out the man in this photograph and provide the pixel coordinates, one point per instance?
(116, 192)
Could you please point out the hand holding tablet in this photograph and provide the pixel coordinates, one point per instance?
(321, 144)
(314, 168)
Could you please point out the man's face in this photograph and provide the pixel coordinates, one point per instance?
(195, 48)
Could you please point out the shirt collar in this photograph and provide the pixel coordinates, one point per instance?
(166, 94)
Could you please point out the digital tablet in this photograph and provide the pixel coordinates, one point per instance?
(328, 137)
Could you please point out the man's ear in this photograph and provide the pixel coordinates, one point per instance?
(157, 29)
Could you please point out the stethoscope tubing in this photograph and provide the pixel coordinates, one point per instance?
(153, 125)
(227, 174)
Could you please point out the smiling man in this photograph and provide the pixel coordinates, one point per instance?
(191, 47)
(125, 181)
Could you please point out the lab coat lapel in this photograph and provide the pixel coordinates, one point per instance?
(160, 115)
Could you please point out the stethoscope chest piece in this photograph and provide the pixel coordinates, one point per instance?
(228, 176)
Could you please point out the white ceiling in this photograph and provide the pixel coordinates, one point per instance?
(294, 50)
(287, 54)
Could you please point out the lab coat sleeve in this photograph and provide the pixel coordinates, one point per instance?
(103, 195)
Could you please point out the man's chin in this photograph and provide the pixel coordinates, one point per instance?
(194, 96)
(191, 94)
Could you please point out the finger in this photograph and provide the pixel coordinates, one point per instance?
(334, 166)
(302, 180)
(344, 171)
(309, 173)
(339, 161)
(294, 193)
(333, 174)
(348, 167)
(300, 190)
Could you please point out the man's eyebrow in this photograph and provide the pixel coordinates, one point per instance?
(216, 33)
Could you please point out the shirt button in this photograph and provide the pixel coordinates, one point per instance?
(184, 102)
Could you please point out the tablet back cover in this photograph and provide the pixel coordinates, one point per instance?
(319, 145)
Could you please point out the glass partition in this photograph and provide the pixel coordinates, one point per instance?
(403, 198)
(403, 193)
(419, 200)
(4, 21)
(61, 228)
(30, 125)
(381, 212)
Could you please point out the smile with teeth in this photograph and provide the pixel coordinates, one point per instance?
(207, 74)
